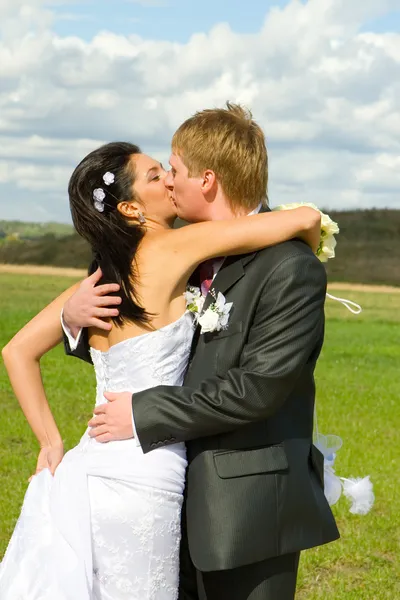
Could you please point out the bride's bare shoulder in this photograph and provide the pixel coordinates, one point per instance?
(157, 255)
(160, 241)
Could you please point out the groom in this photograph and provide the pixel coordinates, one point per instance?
(254, 494)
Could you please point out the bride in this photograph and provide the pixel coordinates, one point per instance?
(103, 520)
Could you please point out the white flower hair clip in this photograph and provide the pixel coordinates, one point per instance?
(99, 194)
(108, 178)
(98, 197)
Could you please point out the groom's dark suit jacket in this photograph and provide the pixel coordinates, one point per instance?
(255, 480)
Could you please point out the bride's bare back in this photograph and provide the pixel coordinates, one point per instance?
(155, 290)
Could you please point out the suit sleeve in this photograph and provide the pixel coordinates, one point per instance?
(82, 349)
(286, 333)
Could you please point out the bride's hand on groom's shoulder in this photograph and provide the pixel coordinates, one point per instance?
(49, 458)
(90, 304)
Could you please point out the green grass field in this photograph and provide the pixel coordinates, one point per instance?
(358, 398)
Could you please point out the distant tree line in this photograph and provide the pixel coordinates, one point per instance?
(32, 231)
(368, 249)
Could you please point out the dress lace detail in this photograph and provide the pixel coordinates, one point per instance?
(107, 526)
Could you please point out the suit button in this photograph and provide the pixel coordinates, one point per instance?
(172, 439)
(153, 445)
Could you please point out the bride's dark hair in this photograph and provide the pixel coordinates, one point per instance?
(113, 239)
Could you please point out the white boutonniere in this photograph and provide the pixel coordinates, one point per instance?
(216, 316)
(329, 229)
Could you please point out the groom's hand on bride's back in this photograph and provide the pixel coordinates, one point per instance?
(112, 420)
(90, 304)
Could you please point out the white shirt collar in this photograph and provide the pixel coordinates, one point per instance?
(256, 210)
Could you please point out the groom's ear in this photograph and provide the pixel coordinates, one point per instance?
(209, 181)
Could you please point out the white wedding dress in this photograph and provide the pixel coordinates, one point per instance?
(107, 525)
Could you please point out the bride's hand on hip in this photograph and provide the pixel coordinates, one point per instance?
(49, 458)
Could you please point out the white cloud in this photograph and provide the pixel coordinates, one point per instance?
(73, 17)
(327, 96)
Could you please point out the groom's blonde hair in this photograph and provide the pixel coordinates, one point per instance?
(230, 143)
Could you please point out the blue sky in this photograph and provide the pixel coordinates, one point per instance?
(177, 20)
(388, 23)
(174, 20)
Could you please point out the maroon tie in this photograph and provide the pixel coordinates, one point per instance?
(206, 275)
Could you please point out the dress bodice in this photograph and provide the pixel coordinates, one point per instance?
(159, 357)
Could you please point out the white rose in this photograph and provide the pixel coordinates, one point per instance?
(99, 206)
(209, 320)
(99, 194)
(328, 249)
(108, 178)
(328, 226)
(287, 206)
(295, 205)
(328, 229)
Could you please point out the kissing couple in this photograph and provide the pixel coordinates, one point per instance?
(197, 477)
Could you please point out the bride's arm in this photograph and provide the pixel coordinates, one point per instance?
(22, 360)
(200, 241)
(179, 251)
